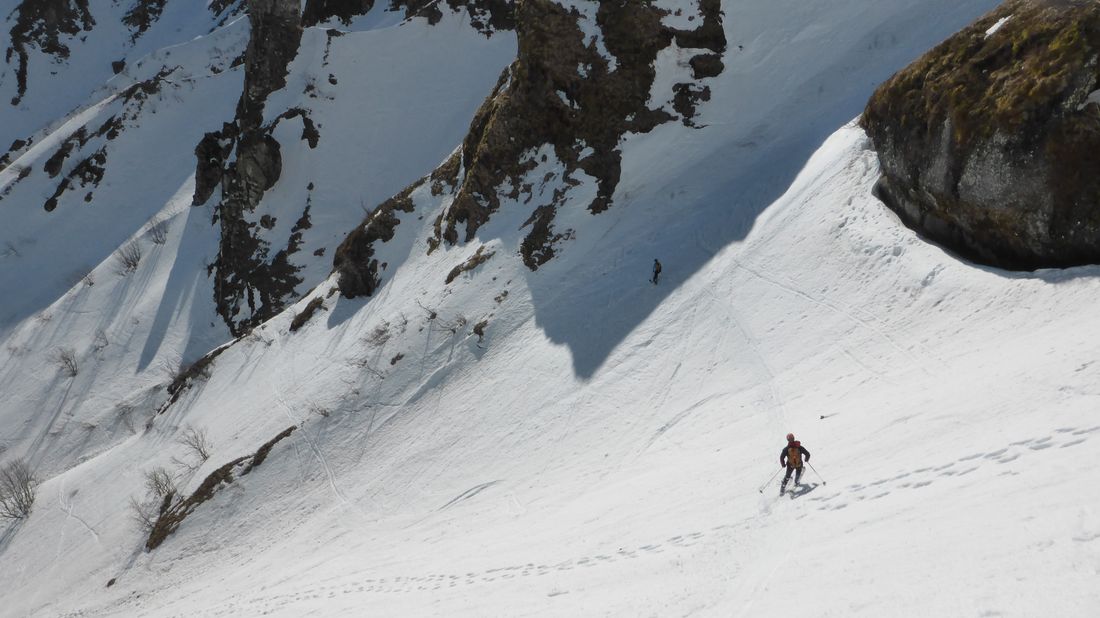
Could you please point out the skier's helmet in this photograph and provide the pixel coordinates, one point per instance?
(790, 437)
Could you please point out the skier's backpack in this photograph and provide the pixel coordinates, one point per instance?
(794, 454)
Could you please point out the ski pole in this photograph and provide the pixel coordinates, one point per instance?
(772, 478)
(817, 473)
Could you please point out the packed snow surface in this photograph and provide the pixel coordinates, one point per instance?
(604, 446)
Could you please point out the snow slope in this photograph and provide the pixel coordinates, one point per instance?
(600, 447)
(58, 84)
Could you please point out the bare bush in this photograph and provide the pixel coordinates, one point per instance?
(158, 231)
(159, 483)
(88, 280)
(65, 358)
(10, 250)
(144, 514)
(197, 442)
(479, 330)
(127, 258)
(455, 325)
(379, 336)
(17, 490)
(160, 492)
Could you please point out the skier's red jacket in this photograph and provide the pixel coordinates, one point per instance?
(793, 454)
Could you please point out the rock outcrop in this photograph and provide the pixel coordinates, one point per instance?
(142, 15)
(251, 281)
(487, 16)
(254, 280)
(44, 24)
(317, 11)
(564, 91)
(990, 143)
(568, 93)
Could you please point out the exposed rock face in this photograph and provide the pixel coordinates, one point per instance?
(990, 143)
(485, 15)
(317, 11)
(354, 259)
(88, 146)
(253, 280)
(577, 95)
(42, 24)
(246, 272)
(226, 9)
(564, 92)
(142, 16)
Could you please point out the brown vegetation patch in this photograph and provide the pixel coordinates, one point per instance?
(173, 511)
(479, 330)
(302, 318)
(354, 258)
(477, 259)
(197, 371)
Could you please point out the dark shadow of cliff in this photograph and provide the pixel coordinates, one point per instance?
(593, 304)
(603, 296)
(187, 281)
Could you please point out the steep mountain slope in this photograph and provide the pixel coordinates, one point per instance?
(58, 52)
(480, 437)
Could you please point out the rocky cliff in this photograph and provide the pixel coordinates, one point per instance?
(245, 160)
(581, 82)
(255, 275)
(44, 24)
(990, 143)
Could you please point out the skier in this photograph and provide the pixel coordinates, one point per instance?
(792, 457)
(656, 271)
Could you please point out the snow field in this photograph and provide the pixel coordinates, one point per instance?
(600, 450)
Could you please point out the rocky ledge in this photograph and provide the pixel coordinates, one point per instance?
(990, 143)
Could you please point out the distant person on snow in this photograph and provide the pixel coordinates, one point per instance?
(656, 270)
(792, 457)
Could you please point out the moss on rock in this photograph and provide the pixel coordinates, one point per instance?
(989, 143)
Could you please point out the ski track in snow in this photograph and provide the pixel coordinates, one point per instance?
(433, 582)
(956, 469)
(842, 311)
(313, 447)
(64, 502)
(779, 410)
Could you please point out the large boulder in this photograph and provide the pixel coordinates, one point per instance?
(990, 143)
